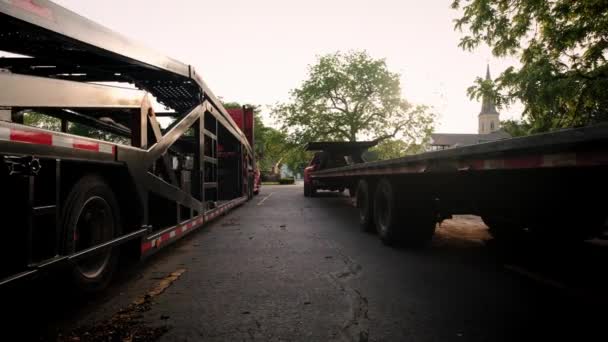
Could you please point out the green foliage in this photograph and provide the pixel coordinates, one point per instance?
(517, 128)
(350, 96)
(297, 159)
(40, 120)
(286, 181)
(86, 131)
(392, 148)
(562, 46)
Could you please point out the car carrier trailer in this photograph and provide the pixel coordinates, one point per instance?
(74, 203)
(552, 184)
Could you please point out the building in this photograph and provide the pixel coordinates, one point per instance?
(488, 128)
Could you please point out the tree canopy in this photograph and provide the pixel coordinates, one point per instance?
(350, 96)
(562, 46)
(393, 148)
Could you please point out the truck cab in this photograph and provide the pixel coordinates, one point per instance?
(331, 155)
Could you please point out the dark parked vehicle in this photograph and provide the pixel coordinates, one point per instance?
(332, 155)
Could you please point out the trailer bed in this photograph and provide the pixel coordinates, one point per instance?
(586, 146)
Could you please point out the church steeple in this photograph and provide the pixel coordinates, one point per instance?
(487, 104)
(489, 120)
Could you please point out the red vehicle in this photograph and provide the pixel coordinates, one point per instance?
(331, 155)
(243, 117)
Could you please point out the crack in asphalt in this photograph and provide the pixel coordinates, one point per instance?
(356, 329)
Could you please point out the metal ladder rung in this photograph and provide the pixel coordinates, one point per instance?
(44, 210)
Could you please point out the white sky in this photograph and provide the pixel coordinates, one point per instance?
(256, 51)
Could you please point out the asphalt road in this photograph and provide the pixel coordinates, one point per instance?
(288, 268)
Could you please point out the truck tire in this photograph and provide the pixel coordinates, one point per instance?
(385, 213)
(90, 217)
(250, 188)
(504, 231)
(313, 191)
(410, 222)
(365, 206)
(306, 189)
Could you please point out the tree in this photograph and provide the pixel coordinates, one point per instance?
(350, 96)
(516, 128)
(562, 46)
(393, 148)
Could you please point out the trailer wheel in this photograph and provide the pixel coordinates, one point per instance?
(503, 231)
(385, 213)
(306, 189)
(364, 204)
(90, 217)
(313, 191)
(410, 222)
(250, 188)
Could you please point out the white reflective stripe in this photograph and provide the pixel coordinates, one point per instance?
(104, 148)
(566, 159)
(172, 234)
(63, 141)
(5, 133)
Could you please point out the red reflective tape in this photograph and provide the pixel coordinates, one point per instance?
(31, 137)
(524, 162)
(591, 158)
(477, 164)
(146, 246)
(86, 145)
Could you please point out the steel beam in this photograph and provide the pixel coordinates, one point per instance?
(38, 92)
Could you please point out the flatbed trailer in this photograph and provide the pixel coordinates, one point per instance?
(552, 184)
(73, 203)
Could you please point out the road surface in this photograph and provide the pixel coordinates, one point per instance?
(288, 268)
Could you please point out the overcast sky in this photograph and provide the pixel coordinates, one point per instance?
(256, 51)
